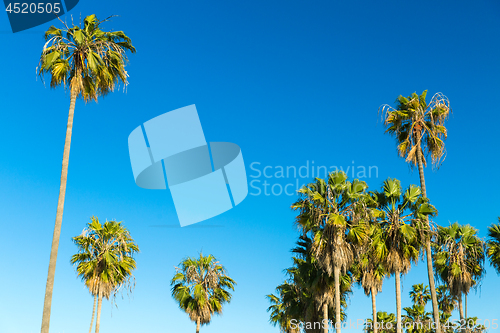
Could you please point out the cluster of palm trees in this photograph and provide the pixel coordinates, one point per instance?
(351, 234)
(105, 261)
(348, 233)
(418, 320)
(90, 63)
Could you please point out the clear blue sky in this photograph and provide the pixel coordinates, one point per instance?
(291, 82)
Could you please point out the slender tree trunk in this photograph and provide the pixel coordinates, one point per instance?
(198, 325)
(374, 310)
(98, 318)
(325, 317)
(461, 310)
(430, 270)
(466, 318)
(336, 274)
(466, 307)
(398, 302)
(59, 215)
(93, 313)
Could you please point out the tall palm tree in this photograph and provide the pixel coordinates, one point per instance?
(104, 260)
(419, 130)
(201, 287)
(401, 215)
(459, 259)
(370, 270)
(493, 245)
(334, 211)
(90, 62)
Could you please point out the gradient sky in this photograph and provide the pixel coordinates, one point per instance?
(290, 82)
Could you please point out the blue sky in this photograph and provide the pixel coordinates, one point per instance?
(290, 82)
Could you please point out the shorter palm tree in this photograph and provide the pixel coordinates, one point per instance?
(459, 256)
(104, 260)
(447, 303)
(386, 323)
(201, 287)
(369, 268)
(307, 294)
(334, 211)
(281, 310)
(403, 218)
(417, 320)
(493, 245)
(420, 294)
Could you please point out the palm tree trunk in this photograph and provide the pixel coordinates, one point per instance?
(374, 310)
(398, 302)
(93, 314)
(59, 215)
(198, 325)
(98, 319)
(461, 309)
(325, 317)
(336, 274)
(430, 271)
(466, 307)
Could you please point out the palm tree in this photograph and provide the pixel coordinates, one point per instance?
(420, 294)
(201, 287)
(447, 303)
(306, 292)
(459, 259)
(281, 310)
(313, 281)
(401, 215)
(493, 245)
(104, 260)
(387, 323)
(370, 270)
(417, 318)
(419, 130)
(334, 211)
(90, 62)
(317, 284)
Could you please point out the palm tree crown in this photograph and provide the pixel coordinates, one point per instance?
(201, 287)
(420, 294)
(459, 257)
(418, 126)
(493, 245)
(88, 60)
(401, 216)
(105, 259)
